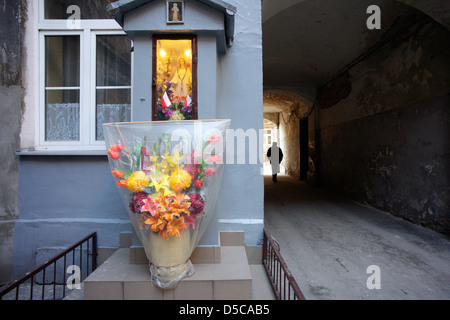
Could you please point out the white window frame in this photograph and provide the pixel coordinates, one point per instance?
(88, 31)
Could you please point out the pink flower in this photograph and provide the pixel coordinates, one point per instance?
(214, 139)
(149, 206)
(137, 202)
(209, 172)
(215, 159)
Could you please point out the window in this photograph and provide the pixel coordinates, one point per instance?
(62, 88)
(85, 75)
(113, 83)
(175, 78)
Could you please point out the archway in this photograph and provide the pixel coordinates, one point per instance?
(376, 95)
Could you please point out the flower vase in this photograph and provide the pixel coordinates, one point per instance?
(169, 176)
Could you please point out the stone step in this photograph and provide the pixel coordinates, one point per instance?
(118, 279)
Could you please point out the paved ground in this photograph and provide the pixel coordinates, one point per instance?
(329, 242)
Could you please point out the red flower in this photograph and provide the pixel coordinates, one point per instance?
(118, 174)
(197, 203)
(209, 172)
(198, 184)
(137, 202)
(113, 154)
(116, 147)
(145, 152)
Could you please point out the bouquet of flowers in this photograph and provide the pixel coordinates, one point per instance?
(169, 183)
(172, 107)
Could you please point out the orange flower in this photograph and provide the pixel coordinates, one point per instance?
(118, 174)
(175, 226)
(122, 183)
(113, 154)
(164, 214)
(116, 147)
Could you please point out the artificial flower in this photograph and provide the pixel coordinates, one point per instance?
(214, 159)
(137, 181)
(214, 139)
(198, 184)
(180, 180)
(116, 148)
(122, 183)
(149, 205)
(118, 174)
(137, 202)
(161, 183)
(114, 154)
(177, 115)
(209, 172)
(174, 227)
(197, 203)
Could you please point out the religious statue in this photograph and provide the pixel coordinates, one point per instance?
(175, 12)
(181, 79)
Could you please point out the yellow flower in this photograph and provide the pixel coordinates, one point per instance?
(179, 180)
(137, 181)
(160, 183)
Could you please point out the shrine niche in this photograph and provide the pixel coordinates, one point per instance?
(174, 78)
(177, 47)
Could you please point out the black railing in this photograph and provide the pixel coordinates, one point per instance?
(50, 280)
(283, 283)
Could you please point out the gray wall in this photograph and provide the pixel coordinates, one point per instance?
(12, 17)
(63, 198)
(384, 129)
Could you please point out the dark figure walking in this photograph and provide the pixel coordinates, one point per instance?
(275, 155)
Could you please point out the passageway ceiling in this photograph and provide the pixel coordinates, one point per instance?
(306, 43)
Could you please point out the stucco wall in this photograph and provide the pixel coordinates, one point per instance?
(63, 198)
(384, 127)
(240, 98)
(12, 17)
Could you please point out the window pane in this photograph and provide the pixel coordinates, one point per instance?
(89, 9)
(113, 105)
(174, 77)
(62, 61)
(62, 115)
(113, 61)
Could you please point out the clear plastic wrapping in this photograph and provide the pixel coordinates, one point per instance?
(169, 175)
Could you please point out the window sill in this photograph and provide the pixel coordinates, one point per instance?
(60, 152)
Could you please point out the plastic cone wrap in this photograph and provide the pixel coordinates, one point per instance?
(169, 175)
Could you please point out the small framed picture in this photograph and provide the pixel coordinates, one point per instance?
(175, 11)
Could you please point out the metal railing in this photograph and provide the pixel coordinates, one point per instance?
(283, 283)
(49, 280)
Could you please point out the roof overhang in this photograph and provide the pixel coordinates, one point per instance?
(119, 8)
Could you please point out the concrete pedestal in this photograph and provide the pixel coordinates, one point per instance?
(221, 273)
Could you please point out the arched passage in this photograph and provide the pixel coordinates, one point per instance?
(376, 99)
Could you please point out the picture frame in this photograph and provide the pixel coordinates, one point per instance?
(175, 12)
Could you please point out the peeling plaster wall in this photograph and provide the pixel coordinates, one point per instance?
(384, 127)
(289, 136)
(12, 17)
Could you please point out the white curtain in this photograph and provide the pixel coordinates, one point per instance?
(62, 120)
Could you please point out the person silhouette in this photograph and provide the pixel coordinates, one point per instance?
(275, 156)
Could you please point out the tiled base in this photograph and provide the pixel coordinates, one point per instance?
(226, 278)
